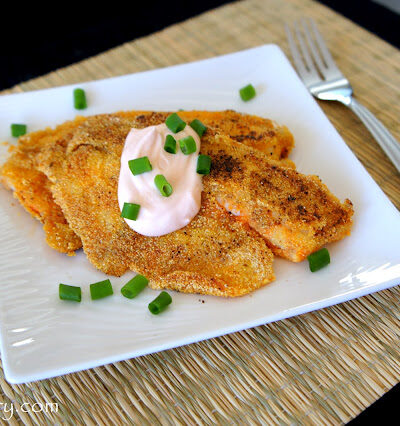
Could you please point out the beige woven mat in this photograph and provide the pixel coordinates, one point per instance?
(324, 367)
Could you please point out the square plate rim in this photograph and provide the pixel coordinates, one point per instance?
(13, 377)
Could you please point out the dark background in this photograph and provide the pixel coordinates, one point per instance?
(35, 42)
(37, 39)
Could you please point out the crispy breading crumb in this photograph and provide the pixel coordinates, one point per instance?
(214, 254)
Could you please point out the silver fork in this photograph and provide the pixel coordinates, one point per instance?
(324, 80)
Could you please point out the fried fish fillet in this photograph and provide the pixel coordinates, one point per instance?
(262, 134)
(31, 187)
(215, 254)
(295, 213)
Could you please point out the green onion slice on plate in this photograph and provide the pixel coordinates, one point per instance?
(160, 303)
(18, 130)
(70, 292)
(133, 287)
(79, 99)
(248, 92)
(319, 259)
(101, 289)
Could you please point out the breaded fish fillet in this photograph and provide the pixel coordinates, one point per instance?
(215, 254)
(295, 213)
(262, 134)
(31, 187)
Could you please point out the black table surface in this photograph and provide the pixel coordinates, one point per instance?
(35, 43)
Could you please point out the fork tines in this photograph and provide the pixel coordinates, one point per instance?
(313, 59)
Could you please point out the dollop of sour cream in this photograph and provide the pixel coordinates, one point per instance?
(160, 215)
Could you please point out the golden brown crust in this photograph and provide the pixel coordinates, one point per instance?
(31, 187)
(259, 133)
(214, 254)
(297, 214)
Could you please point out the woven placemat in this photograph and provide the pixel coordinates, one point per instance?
(324, 367)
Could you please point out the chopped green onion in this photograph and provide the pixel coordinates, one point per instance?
(101, 289)
(133, 287)
(170, 144)
(160, 303)
(130, 211)
(248, 92)
(163, 186)
(203, 164)
(140, 165)
(198, 127)
(18, 130)
(175, 123)
(70, 292)
(188, 145)
(79, 99)
(319, 259)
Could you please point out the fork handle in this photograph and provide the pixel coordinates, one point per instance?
(382, 135)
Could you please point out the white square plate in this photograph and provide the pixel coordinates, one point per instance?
(42, 336)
